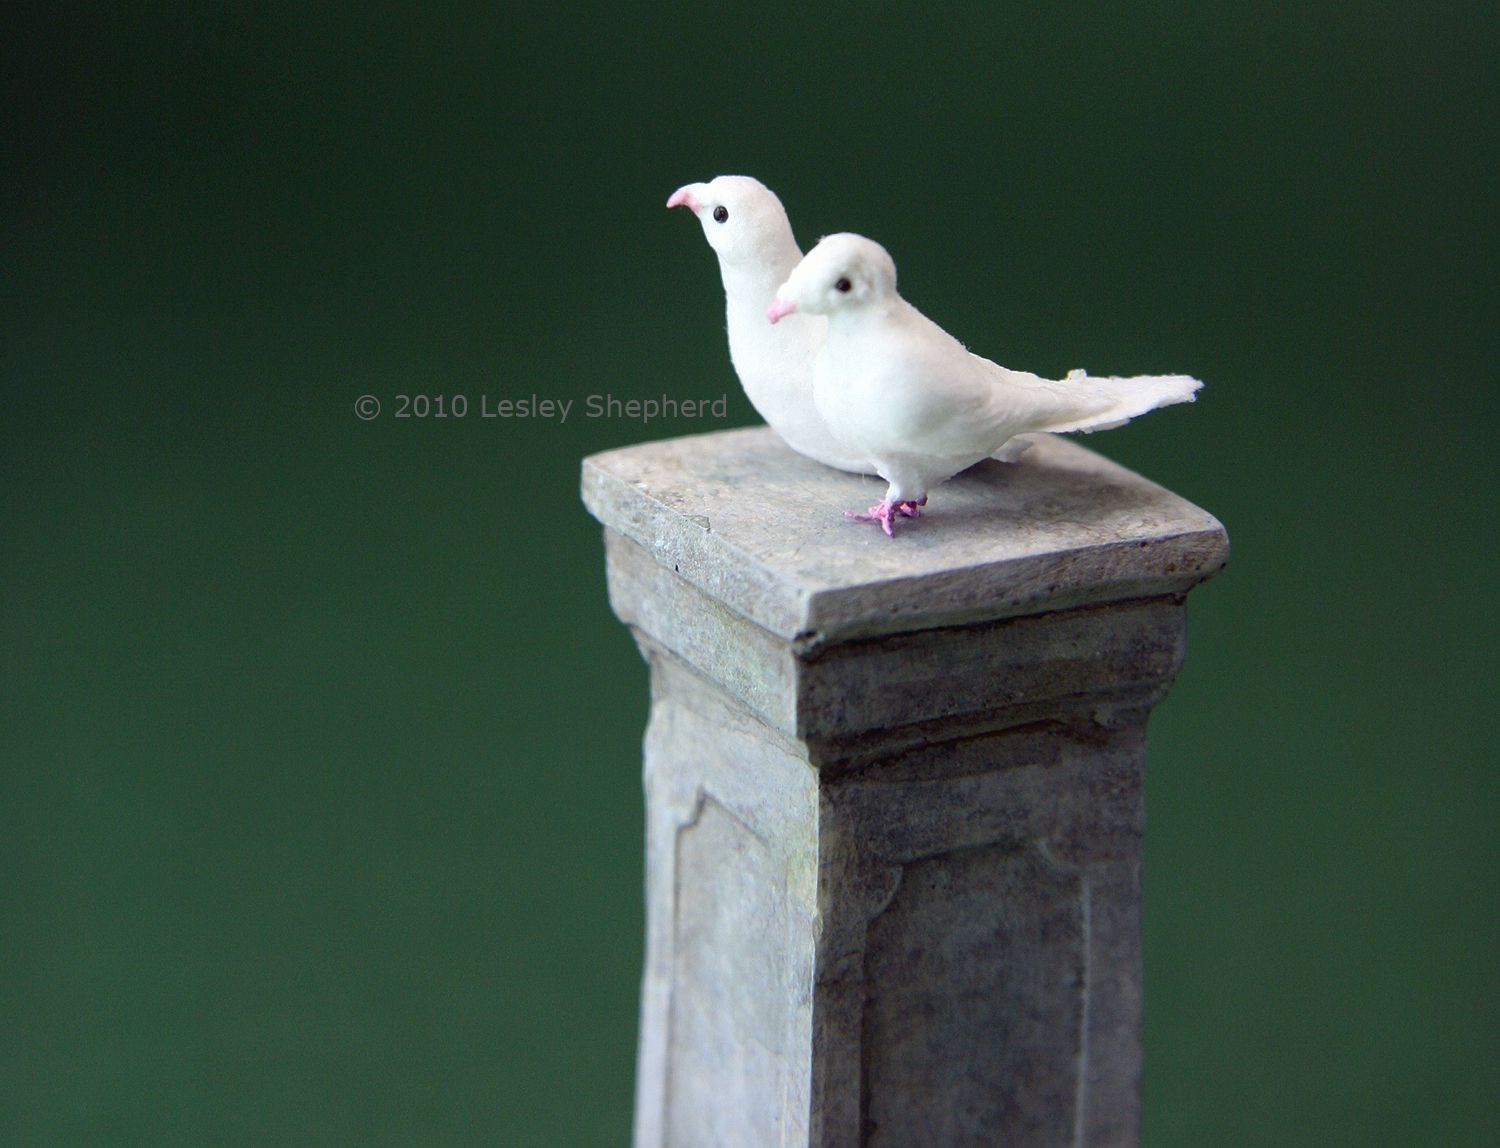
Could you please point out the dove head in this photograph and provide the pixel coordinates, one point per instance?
(841, 272)
(742, 219)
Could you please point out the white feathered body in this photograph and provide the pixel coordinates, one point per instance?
(775, 364)
(747, 228)
(897, 388)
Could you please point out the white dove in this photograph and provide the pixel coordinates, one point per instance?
(747, 227)
(894, 386)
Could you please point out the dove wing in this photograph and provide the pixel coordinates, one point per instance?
(1020, 401)
(936, 396)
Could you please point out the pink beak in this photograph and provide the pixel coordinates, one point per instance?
(682, 197)
(779, 310)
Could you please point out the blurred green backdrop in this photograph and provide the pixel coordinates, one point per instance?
(319, 809)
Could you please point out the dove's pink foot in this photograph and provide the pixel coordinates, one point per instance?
(885, 512)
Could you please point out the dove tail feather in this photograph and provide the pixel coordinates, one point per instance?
(1101, 403)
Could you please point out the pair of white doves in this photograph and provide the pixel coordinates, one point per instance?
(859, 379)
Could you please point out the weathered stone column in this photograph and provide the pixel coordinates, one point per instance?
(894, 791)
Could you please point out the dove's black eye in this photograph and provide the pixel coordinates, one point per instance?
(842, 285)
(721, 213)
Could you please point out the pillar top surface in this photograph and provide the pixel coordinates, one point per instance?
(760, 528)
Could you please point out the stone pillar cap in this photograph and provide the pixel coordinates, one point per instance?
(760, 529)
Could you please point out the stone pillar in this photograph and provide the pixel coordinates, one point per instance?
(894, 791)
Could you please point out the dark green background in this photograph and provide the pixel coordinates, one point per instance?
(319, 812)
